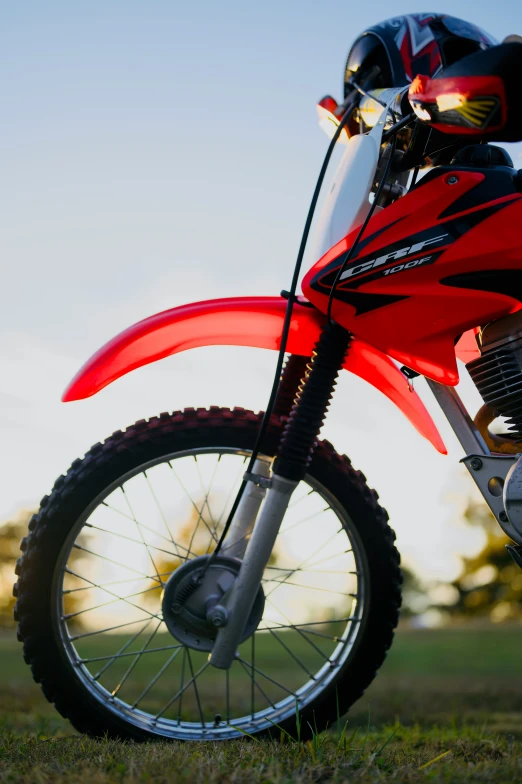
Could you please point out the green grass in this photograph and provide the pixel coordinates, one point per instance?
(454, 692)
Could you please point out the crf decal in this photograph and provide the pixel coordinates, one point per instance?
(407, 254)
(394, 255)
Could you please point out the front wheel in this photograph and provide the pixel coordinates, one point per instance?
(152, 498)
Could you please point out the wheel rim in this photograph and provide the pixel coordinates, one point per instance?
(109, 582)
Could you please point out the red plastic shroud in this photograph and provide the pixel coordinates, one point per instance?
(243, 321)
(428, 270)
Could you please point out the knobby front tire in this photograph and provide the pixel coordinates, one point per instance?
(149, 498)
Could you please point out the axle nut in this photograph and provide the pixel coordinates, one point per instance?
(217, 616)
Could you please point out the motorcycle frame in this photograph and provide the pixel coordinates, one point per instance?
(488, 471)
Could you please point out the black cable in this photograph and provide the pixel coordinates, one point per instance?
(361, 231)
(398, 126)
(286, 324)
(432, 153)
(366, 94)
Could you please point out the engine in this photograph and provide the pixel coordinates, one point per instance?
(497, 373)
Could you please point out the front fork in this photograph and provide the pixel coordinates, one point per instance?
(295, 452)
(240, 531)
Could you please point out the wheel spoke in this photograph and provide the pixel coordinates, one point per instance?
(206, 495)
(113, 601)
(199, 512)
(227, 687)
(309, 588)
(234, 488)
(136, 660)
(257, 685)
(157, 677)
(181, 682)
(111, 593)
(305, 520)
(160, 510)
(115, 656)
(140, 532)
(351, 619)
(329, 558)
(109, 560)
(309, 571)
(304, 562)
(153, 531)
(107, 629)
(264, 675)
(118, 655)
(137, 541)
(282, 626)
(111, 582)
(253, 660)
(306, 497)
(294, 657)
(194, 683)
(182, 690)
(313, 645)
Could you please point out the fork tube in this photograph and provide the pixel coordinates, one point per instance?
(243, 523)
(294, 455)
(237, 538)
(238, 601)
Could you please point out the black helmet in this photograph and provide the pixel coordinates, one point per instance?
(399, 49)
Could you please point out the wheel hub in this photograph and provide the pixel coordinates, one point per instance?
(191, 605)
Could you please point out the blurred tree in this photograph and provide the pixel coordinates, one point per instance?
(415, 599)
(490, 584)
(11, 532)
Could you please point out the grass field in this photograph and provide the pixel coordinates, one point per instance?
(446, 706)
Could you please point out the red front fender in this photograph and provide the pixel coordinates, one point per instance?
(242, 321)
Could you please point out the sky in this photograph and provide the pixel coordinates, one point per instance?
(157, 153)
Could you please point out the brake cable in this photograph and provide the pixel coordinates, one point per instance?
(292, 298)
(364, 93)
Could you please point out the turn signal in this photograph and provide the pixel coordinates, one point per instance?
(328, 120)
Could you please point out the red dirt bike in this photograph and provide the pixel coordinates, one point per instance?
(210, 574)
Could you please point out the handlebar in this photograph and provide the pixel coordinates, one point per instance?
(374, 101)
